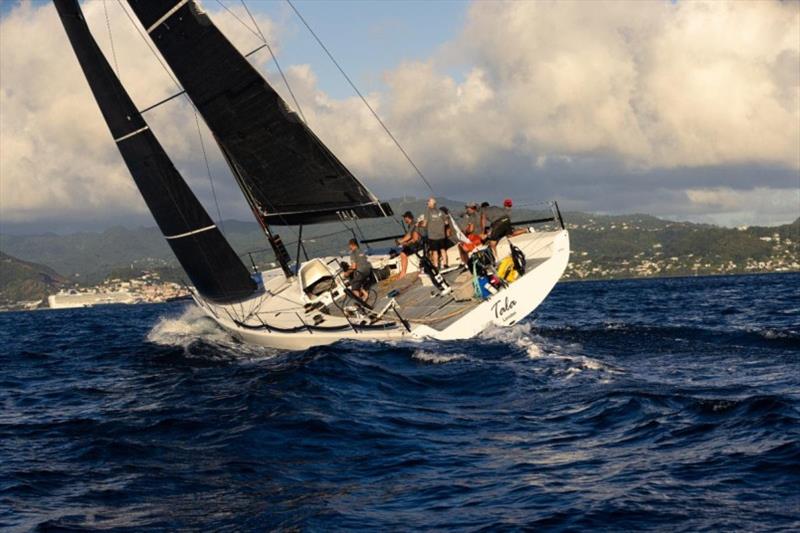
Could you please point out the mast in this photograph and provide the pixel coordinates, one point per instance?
(207, 258)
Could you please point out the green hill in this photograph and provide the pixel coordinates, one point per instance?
(23, 281)
(603, 246)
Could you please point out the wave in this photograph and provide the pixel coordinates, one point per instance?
(523, 337)
(437, 358)
(192, 331)
(186, 328)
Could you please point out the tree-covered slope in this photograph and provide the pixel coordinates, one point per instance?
(26, 281)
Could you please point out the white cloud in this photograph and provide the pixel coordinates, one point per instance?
(759, 205)
(652, 84)
(652, 103)
(57, 156)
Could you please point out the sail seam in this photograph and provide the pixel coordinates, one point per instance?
(131, 134)
(347, 208)
(181, 235)
(166, 15)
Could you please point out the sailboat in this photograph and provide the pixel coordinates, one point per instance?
(290, 178)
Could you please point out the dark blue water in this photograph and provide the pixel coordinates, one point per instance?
(662, 404)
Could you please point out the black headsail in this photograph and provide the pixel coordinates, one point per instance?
(209, 261)
(284, 170)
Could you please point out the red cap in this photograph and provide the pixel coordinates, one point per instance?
(507, 202)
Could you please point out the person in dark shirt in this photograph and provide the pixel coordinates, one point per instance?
(359, 271)
(410, 243)
(497, 220)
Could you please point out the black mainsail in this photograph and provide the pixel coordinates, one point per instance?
(213, 267)
(286, 173)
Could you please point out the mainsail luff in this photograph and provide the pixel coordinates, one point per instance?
(290, 175)
(209, 261)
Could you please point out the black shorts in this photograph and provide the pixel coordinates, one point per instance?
(434, 245)
(500, 228)
(359, 280)
(410, 249)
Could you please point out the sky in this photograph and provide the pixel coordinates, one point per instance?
(684, 110)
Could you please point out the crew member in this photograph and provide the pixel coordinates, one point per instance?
(434, 224)
(471, 227)
(359, 271)
(498, 221)
(410, 243)
(471, 220)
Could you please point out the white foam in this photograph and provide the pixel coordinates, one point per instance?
(772, 334)
(190, 326)
(193, 325)
(437, 358)
(537, 347)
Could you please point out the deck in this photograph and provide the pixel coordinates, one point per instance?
(419, 302)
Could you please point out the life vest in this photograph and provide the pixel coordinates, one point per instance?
(475, 241)
(507, 270)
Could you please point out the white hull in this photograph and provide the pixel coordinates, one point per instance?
(278, 319)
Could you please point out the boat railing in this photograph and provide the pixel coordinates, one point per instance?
(539, 213)
(334, 243)
(315, 245)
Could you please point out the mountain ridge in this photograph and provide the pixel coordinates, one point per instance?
(607, 240)
(26, 281)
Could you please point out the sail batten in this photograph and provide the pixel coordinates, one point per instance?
(208, 260)
(287, 174)
(163, 18)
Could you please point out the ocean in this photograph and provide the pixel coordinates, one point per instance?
(666, 404)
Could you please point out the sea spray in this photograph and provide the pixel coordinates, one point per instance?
(192, 327)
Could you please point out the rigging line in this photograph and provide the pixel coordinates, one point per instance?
(255, 24)
(234, 15)
(374, 114)
(324, 149)
(331, 158)
(220, 281)
(275, 60)
(208, 169)
(150, 46)
(260, 35)
(169, 73)
(360, 232)
(111, 40)
(169, 191)
(196, 118)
